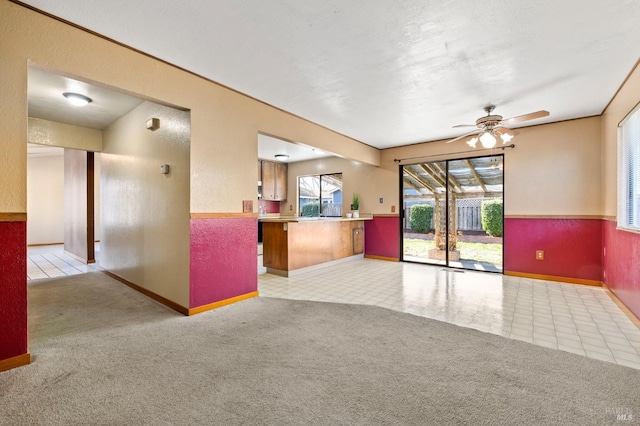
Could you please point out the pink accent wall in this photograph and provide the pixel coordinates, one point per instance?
(270, 206)
(382, 236)
(572, 247)
(13, 289)
(622, 265)
(223, 262)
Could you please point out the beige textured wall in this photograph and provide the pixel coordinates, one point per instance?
(45, 199)
(45, 132)
(96, 196)
(13, 125)
(224, 124)
(622, 104)
(371, 183)
(145, 214)
(555, 169)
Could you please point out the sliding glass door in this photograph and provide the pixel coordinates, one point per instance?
(453, 213)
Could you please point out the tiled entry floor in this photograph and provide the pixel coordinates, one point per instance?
(574, 318)
(50, 262)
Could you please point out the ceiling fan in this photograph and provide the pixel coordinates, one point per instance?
(492, 128)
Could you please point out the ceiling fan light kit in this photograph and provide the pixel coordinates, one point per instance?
(492, 128)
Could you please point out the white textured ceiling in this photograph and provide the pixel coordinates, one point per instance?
(45, 100)
(387, 72)
(269, 147)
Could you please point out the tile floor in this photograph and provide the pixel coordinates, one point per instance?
(574, 318)
(50, 262)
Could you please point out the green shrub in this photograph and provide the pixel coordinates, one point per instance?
(310, 209)
(420, 219)
(491, 214)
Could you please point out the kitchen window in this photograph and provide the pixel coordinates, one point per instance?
(320, 195)
(629, 171)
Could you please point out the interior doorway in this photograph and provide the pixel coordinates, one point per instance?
(452, 213)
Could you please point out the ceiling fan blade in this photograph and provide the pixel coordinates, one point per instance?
(465, 135)
(503, 130)
(525, 117)
(465, 125)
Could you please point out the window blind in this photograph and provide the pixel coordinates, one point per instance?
(629, 171)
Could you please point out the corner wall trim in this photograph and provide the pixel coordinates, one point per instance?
(567, 280)
(16, 361)
(168, 303)
(210, 306)
(13, 217)
(389, 259)
(622, 306)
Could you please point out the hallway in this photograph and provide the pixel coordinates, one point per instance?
(50, 261)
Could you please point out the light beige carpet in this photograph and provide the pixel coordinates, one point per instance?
(105, 354)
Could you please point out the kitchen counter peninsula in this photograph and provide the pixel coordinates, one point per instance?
(292, 245)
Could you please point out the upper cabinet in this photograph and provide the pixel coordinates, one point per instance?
(274, 181)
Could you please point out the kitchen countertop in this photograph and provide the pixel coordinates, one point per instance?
(311, 219)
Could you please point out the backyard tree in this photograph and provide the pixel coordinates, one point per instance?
(491, 213)
(420, 218)
(310, 209)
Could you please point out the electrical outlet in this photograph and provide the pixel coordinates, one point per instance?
(381, 200)
(539, 254)
(393, 209)
(290, 207)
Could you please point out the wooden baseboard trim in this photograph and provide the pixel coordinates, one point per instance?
(215, 305)
(16, 361)
(554, 278)
(50, 244)
(44, 244)
(389, 259)
(78, 258)
(13, 217)
(634, 319)
(149, 293)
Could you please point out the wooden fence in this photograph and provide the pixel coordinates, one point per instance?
(468, 214)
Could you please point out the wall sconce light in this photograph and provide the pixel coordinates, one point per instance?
(153, 124)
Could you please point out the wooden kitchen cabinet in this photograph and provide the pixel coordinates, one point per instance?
(357, 237)
(274, 181)
(293, 245)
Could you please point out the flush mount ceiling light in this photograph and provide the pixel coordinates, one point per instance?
(492, 128)
(77, 99)
(281, 157)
